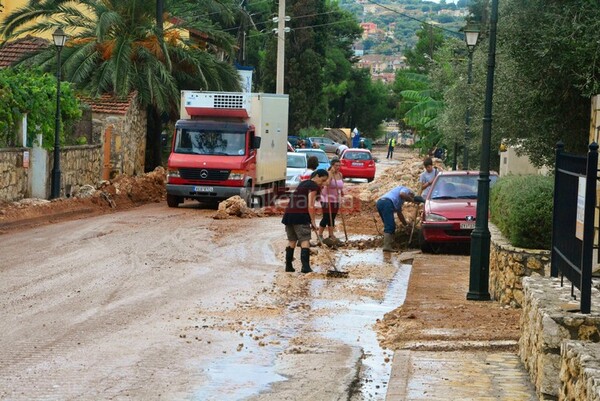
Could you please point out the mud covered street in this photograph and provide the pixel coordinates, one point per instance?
(160, 303)
(103, 300)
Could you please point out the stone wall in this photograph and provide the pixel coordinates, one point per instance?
(79, 165)
(546, 321)
(580, 371)
(14, 178)
(508, 266)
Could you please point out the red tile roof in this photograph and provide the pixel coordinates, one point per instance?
(13, 51)
(109, 104)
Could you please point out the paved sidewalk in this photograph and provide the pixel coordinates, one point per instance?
(466, 366)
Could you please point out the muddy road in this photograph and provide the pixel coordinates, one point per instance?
(159, 303)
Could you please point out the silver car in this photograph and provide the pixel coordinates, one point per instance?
(296, 165)
(326, 144)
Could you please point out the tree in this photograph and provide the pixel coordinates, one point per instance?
(549, 74)
(421, 56)
(114, 47)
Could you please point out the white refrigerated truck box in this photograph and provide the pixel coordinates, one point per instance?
(267, 112)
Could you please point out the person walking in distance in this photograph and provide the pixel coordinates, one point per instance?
(299, 219)
(427, 176)
(391, 202)
(391, 146)
(330, 199)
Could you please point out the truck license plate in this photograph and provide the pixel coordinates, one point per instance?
(203, 189)
(467, 226)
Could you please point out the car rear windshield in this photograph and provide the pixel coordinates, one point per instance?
(321, 156)
(296, 161)
(357, 155)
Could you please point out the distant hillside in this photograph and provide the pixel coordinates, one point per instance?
(397, 21)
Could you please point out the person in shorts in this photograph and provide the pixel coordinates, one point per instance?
(299, 219)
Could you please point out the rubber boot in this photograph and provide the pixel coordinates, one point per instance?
(289, 257)
(305, 259)
(388, 243)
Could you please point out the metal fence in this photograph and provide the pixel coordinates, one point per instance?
(573, 220)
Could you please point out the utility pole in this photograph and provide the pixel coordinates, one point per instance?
(280, 46)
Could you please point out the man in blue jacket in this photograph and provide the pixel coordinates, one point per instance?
(391, 203)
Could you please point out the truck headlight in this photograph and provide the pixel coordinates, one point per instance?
(236, 175)
(173, 173)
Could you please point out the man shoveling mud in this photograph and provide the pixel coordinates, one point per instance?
(392, 202)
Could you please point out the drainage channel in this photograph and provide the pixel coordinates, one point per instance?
(354, 324)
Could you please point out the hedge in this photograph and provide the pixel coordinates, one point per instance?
(521, 208)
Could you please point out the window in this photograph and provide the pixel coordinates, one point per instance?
(203, 142)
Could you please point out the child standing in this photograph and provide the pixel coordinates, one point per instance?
(427, 176)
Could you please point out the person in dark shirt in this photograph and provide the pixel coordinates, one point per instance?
(299, 218)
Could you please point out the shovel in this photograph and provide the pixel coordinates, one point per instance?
(339, 191)
(412, 230)
(333, 272)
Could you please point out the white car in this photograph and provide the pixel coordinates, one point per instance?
(296, 165)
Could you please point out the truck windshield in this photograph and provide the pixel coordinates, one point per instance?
(203, 142)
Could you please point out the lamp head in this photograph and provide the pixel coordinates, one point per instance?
(59, 37)
(471, 35)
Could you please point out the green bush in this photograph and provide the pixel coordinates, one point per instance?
(521, 208)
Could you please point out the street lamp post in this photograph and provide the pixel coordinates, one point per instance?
(59, 38)
(471, 36)
(480, 238)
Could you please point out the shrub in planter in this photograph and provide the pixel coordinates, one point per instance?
(521, 208)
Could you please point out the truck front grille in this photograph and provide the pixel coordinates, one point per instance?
(202, 174)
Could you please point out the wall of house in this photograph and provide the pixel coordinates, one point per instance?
(127, 139)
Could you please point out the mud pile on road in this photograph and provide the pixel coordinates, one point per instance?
(123, 192)
(406, 173)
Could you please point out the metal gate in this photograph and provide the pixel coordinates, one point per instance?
(573, 220)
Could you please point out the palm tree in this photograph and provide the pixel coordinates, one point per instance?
(116, 46)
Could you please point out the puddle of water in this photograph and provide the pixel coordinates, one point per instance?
(232, 380)
(353, 323)
(244, 373)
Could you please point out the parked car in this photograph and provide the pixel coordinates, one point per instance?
(450, 209)
(321, 156)
(296, 165)
(326, 144)
(357, 163)
(293, 140)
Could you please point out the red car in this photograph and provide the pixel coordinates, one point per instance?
(357, 163)
(450, 209)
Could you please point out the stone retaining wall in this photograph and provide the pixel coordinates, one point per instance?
(79, 165)
(508, 266)
(14, 178)
(545, 323)
(580, 371)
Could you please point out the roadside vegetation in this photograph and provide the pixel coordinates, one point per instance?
(521, 208)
